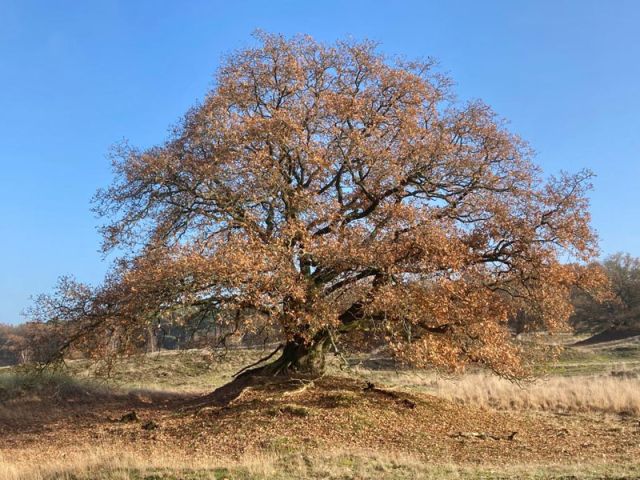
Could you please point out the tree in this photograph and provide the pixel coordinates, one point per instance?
(327, 191)
(12, 345)
(622, 310)
(624, 272)
(26, 343)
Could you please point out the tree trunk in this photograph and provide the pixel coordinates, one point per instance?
(298, 359)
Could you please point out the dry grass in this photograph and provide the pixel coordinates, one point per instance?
(20, 390)
(108, 463)
(616, 393)
(331, 416)
(601, 379)
(194, 371)
(186, 371)
(66, 427)
(21, 383)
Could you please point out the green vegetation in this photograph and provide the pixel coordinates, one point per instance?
(600, 359)
(175, 370)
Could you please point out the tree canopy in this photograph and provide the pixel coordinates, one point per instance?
(329, 191)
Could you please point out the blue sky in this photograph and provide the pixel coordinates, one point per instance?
(76, 77)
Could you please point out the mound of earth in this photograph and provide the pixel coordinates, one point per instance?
(610, 335)
(327, 414)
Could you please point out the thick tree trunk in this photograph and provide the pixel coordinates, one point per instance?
(299, 359)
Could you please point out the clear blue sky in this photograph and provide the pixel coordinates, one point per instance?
(78, 76)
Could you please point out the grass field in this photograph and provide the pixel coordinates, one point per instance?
(581, 419)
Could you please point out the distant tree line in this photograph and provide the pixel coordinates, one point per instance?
(619, 311)
(37, 342)
(13, 340)
(622, 311)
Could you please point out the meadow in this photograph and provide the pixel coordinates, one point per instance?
(366, 420)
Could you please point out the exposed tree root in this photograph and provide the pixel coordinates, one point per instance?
(405, 402)
(305, 385)
(299, 361)
(263, 359)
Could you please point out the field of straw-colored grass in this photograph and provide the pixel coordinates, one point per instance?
(610, 394)
(586, 380)
(108, 463)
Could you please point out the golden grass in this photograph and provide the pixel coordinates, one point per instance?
(589, 393)
(118, 463)
(113, 463)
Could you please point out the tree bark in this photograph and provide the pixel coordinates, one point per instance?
(299, 359)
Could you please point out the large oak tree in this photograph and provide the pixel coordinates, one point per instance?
(329, 191)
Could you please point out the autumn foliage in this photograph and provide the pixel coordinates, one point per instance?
(329, 192)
